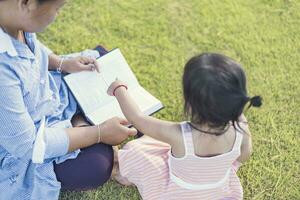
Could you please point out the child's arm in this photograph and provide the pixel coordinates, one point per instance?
(246, 148)
(158, 129)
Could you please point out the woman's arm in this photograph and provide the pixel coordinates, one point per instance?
(161, 130)
(112, 131)
(54, 62)
(72, 65)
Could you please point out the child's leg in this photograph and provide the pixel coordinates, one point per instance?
(116, 163)
(116, 170)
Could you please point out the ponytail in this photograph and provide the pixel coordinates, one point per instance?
(255, 101)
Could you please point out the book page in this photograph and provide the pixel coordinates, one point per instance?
(146, 102)
(113, 65)
(90, 88)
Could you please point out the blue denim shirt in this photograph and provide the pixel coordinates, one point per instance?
(28, 93)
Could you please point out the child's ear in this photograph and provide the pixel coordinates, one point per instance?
(27, 5)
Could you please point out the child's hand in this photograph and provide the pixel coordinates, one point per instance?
(80, 63)
(114, 86)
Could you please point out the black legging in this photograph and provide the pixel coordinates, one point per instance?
(91, 169)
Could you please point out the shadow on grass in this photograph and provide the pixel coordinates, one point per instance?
(110, 191)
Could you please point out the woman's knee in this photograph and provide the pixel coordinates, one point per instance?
(103, 163)
(91, 169)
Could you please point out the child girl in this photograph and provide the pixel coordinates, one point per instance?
(196, 159)
(39, 137)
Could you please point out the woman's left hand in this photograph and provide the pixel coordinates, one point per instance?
(79, 64)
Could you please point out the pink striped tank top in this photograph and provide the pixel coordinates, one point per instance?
(204, 177)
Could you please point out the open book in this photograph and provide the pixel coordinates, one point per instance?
(90, 89)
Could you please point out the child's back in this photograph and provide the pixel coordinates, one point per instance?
(150, 165)
(196, 159)
(212, 177)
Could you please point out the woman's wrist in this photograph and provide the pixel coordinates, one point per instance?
(101, 133)
(54, 62)
(98, 133)
(60, 65)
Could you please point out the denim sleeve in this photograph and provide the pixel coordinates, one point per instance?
(18, 131)
(57, 142)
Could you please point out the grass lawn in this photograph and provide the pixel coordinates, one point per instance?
(158, 36)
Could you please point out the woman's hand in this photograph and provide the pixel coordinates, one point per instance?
(78, 64)
(114, 85)
(114, 131)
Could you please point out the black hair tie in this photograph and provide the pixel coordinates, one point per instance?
(255, 101)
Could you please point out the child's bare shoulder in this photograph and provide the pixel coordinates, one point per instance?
(175, 128)
(172, 131)
(177, 140)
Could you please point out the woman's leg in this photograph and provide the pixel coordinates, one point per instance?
(91, 169)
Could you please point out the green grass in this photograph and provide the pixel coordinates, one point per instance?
(158, 36)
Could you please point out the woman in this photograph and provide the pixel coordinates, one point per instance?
(35, 101)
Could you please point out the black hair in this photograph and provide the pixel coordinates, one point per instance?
(214, 88)
(43, 1)
(40, 1)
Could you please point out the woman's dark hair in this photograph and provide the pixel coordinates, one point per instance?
(40, 1)
(214, 88)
